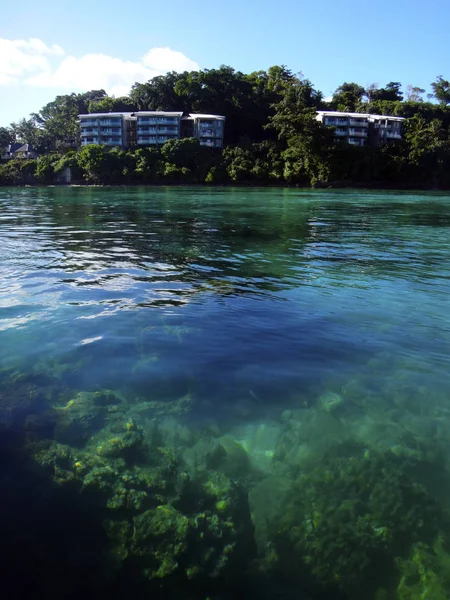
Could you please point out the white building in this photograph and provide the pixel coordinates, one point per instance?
(150, 128)
(157, 127)
(106, 129)
(208, 129)
(362, 129)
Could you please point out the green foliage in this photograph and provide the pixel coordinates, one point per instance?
(111, 104)
(348, 97)
(45, 170)
(6, 137)
(441, 89)
(425, 573)
(271, 135)
(350, 519)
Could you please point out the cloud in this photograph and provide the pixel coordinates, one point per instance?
(34, 63)
(165, 59)
(19, 58)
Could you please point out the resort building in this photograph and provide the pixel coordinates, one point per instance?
(149, 128)
(103, 128)
(208, 129)
(362, 129)
(157, 127)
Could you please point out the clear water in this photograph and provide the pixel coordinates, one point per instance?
(253, 302)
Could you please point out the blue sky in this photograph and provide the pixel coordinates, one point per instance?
(82, 45)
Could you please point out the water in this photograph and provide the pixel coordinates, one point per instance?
(275, 324)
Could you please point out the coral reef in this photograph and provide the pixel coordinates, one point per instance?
(347, 521)
(162, 524)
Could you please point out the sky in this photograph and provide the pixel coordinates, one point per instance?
(49, 48)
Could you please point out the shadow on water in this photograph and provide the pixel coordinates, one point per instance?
(53, 544)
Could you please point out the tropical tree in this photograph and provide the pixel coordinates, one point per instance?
(441, 90)
(6, 137)
(348, 97)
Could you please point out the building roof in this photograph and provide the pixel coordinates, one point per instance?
(201, 116)
(111, 114)
(193, 116)
(154, 113)
(335, 113)
(18, 147)
(161, 113)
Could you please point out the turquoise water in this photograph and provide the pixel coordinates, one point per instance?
(277, 325)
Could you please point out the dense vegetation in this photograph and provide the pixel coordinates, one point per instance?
(271, 134)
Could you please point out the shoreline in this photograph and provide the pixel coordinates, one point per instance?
(335, 185)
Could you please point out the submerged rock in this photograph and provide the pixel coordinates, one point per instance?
(347, 520)
(161, 524)
(83, 416)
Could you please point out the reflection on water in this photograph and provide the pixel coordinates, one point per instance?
(223, 370)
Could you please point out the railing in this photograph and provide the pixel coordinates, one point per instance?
(210, 133)
(359, 122)
(156, 121)
(212, 143)
(353, 132)
(334, 121)
(356, 141)
(104, 122)
(114, 141)
(143, 129)
(341, 132)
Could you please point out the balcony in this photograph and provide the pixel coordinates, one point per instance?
(333, 121)
(146, 140)
(211, 143)
(165, 131)
(111, 141)
(156, 121)
(356, 133)
(210, 133)
(356, 141)
(341, 132)
(106, 122)
(146, 130)
(359, 122)
(89, 132)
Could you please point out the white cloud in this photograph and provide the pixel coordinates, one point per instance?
(34, 63)
(18, 58)
(165, 59)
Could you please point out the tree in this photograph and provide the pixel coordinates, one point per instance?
(441, 90)
(158, 93)
(27, 131)
(58, 120)
(6, 137)
(348, 97)
(414, 94)
(111, 104)
(298, 98)
(392, 92)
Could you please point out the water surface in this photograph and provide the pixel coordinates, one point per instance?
(285, 320)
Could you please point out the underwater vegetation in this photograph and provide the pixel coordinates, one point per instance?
(200, 511)
(162, 523)
(362, 520)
